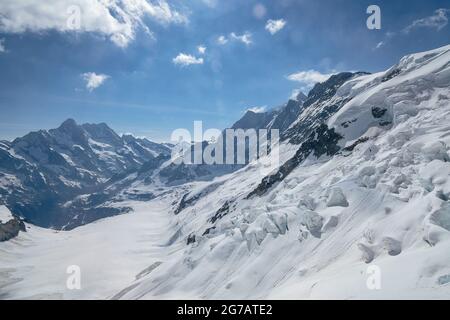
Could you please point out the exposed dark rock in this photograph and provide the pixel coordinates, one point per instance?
(393, 73)
(385, 123)
(319, 107)
(288, 114)
(346, 124)
(222, 212)
(140, 196)
(208, 231)
(185, 201)
(356, 143)
(11, 229)
(323, 141)
(327, 89)
(188, 200)
(378, 112)
(190, 239)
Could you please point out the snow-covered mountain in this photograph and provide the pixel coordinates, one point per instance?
(279, 118)
(362, 191)
(42, 173)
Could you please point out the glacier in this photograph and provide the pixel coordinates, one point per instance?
(377, 198)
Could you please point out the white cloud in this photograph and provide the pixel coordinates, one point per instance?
(186, 60)
(201, 49)
(245, 38)
(117, 20)
(437, 21)
(222, 40)
(273, 26)
(2, 46)
(295, 94)
(257, 109)
(308, 78)
(93, 80)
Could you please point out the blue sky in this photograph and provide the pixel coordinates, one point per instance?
(140, 69)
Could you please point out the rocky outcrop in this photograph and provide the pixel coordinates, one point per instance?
(321, 104)
(11, 229)
(322, 141)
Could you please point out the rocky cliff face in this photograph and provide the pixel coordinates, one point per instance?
(11, 229)
(10, 226)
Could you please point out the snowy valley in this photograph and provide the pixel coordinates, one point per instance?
(364, 184)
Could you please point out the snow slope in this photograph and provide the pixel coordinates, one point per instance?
(5, 214)
(381, 203)
(110, 254)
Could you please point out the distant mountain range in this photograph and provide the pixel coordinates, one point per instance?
(43, 171)
(69, 176)
(64, 177)
(363, 184)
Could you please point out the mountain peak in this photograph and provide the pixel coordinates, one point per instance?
(102, 133)
(252, 120)
(69, 123)
(301, 97)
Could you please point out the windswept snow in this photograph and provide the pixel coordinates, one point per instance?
(110, 254)
(401, 91)
(370, 222)
(5, 214)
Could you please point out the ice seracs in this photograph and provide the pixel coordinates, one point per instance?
(363, 182)
(337, 198)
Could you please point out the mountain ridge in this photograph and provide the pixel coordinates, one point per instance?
(363, 184)
(49, 167)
